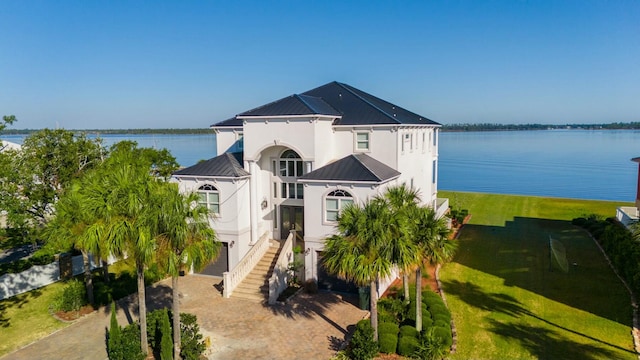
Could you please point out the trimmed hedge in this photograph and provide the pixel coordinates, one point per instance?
(443, 334)
(362, 345)
(388, 342)
(407, 345)
(408, 330)
(388, 328)
(618, 242)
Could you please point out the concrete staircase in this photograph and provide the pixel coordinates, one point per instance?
(256, 285)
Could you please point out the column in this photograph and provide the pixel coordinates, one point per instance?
(254, 205)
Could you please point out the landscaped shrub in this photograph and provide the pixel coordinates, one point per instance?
(618, 242)
(444, 334)
(393, 310)
(362, 346)
(115, 335)
(71, 298)
(407, 345)
(427, 322)
(408, 330)
(441, 323)
(431, 347)
(191, 344)
(388, 342)
(166, 344)
(388, 328)
(443, 317)
(154, 332)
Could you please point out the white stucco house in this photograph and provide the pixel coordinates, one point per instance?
(630, 215)
(294, 163)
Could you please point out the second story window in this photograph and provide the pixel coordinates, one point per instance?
(240, 141)
(362, 141)
(209, 196)
(290, 164)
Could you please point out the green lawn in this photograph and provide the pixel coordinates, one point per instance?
(25, 318)
(508, 304)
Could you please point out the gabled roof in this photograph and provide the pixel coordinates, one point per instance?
(353, 168)
(227, 165)
(349, 105)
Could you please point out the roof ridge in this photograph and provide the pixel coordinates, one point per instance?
(346, 87)
(365, 165)
(305, 103)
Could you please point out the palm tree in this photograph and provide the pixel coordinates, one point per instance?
(432, 239)
(186, 241)
(402, 201)
(358, 252)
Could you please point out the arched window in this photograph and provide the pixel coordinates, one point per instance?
(334, 202)
(209, 197)
(291, 164)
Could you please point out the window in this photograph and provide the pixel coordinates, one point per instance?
(291, 164)
(424, 142)
(209, 196)
(434, 175)
(362, 141)
(435, 137)
(336, 201)
(291, 191)
(240, 140)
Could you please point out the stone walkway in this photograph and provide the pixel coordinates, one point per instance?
(309, 327)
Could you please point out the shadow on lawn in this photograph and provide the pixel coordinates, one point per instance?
(17, 301)
(538, 340)
(519, 254)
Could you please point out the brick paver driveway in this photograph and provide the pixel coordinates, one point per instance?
(309, 327)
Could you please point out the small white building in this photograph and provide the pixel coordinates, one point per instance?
(294, 163)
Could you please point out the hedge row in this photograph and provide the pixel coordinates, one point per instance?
(21, 265)
(618, 242)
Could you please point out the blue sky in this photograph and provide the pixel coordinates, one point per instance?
(157, 64)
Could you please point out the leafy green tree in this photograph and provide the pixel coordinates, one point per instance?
(359, 251)
(36, 175)
(432, 240)
(7, 120)
(402, 201)
(125, 199)
(186, 241)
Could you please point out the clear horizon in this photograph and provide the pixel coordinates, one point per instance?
(122, 65)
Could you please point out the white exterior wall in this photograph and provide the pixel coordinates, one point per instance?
(227, 140)
(316, 228)
(296, 134)
(232, 226)
(414, 151)
(382, 141)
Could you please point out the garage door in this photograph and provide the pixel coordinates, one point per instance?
(220, 265)
(333, 283)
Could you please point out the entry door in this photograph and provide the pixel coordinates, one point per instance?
(291, 218)
(220, 265)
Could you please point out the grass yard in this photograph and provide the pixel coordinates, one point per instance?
(25, 318)
(506, 301)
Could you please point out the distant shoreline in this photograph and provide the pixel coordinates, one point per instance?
(444, 128)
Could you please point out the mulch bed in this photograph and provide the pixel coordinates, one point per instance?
(71, 316)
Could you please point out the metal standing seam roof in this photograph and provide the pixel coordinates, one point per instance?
(227, 165)
(353, 168)
(351, 106)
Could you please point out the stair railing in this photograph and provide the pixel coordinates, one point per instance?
(234, 277)
(278, 281)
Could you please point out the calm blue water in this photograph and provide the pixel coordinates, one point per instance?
(583, 164)
(561, 163)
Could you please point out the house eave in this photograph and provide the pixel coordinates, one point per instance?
(274, 117)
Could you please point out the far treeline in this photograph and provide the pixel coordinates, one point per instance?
(445, 127)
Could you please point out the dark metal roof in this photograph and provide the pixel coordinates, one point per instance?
(227, 165)
(355, 167)
(354, 106)
(293, 105)
(636, 159)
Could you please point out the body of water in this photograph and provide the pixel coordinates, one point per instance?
(583, 164)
